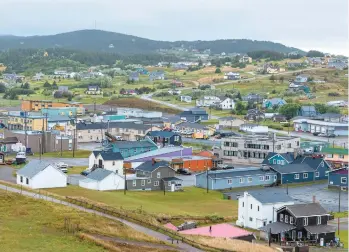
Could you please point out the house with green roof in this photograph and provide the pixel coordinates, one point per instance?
(338, 157)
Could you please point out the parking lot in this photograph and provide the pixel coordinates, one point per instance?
(304, 194)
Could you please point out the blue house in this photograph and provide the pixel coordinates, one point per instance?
(194, 115)
(133, 76)
(165, 138)
(307, 111)
(235, 178)
(278, 158)
(301, 79)
(338, 178)
(293, 173)
(132, 148)
(319, 165)
(157, 75)
(142, 70)
(274, 102)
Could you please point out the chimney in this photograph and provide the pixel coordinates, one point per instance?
(314, 199)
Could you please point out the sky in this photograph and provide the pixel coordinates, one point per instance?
(305, 24)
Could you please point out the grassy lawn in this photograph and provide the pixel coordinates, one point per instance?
(340, 215)
(76, 169)
(68, 154)
(210, 122)
(343, 236)
(193, 201)
(24, 229)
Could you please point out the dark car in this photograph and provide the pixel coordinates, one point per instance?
(331, 135)
(316, 133)
(183, 171)
(85, 173)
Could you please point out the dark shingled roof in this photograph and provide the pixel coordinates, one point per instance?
(103, 125)
(172, 179)
(149, 166)
(267, 197)
(111, 155)
(320, 229)
(240, 172)
(312, 162)
(286, 156)
(277, 227)
(292, 168)
(303, 210)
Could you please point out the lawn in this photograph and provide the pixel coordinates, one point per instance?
(340, 215)
(343, 236)
(23, 228)
(76, 169)
(68, 154)
(193, 201)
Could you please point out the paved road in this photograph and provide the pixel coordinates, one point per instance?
(68, 161)
(6, 173)
(343, 223)
(303, 194)
(147, 231)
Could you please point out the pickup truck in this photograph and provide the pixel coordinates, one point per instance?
(62, 166)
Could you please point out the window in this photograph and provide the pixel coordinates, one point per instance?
(281, 217)
(261, 178)
(341, 156)
(322, 164)
(230, 181)
(169, 183)
(275, 177)
(251, 206)
(251, 219)
(305, 175)
(267, 178)
(288, 145)
(158, 174)
(296, 176)
(329, 155)
(134, 183)
(278, 162)
(343, 180)
(113, 162)
(317, 174)
(249, 179)
(319, 220)
(21, 179)
(291, 220)
(299, 235)
(143, 182)
(241, 180)
(305, 221)
(258, 208)
(282, 162)
(243, 204)
(27, 181)
(149, 181)
(274, 161)
(286, 218)
(156, 183)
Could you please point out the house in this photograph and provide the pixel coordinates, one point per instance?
(63, 88)
(103, 180)
(307, 111)
(108, 160)
(207, 101)
(133, 148)
(64, 111)
(340, 103)
(225, 103)
(254, 115)
(333, 117)
(177, 83)
(194, 115)
(157, 75)
(38, 76)
(253, 98)
(154, 175)
(134, 76)
(235, 178)
(165, 138)
(253, 128)
(293, 173)
(37, 105)
(93, 90)
(318, 164)
(274, 102)
(186, 128)
(232, 76)
(295, 64)
(278, 158)
(229, 121)
(191, 163)
(338, 178)
(255, 148)
(175, 151)
(257, 209)
(135, 112)
(245, 59)
(186, 98)
(336, 156)
(301, 78)
(272, 70)
(39, 174)
(300, 222)
(312, 126)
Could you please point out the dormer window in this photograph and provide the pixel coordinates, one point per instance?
(281, 218)
(286, 218)
(291, 220)
(319, 220)
(305, 221)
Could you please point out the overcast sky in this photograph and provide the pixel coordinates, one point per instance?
(306, 24)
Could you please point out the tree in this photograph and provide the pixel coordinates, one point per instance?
(2, 88)
(272, 77)
(47, 84)
(200, 63)
(281, 79)
(218, 70)
(289, 110)
(314, 53)
(58, 94)
(54, 85)
(331, 109)
(238, 96)
(239, 108)
(26, 85)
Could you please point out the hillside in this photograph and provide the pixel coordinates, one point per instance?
(99, 41)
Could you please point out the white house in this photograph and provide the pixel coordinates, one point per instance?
(257, 209)
(230, 121)
(226, 103)
(103, 180)
(108, 160)
(40, 174)
(219, 102)
(253, 128)
(186, 98)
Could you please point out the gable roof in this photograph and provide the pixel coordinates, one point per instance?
(111, 155)
(103, 125)
(267, 197)
(312, 162)
(99, 174)
(308, 108)
(287, 156)
(303, 210)
(292, 168)
(149, 166)
(161, 133)
(276, 101)
(237, 172)
(33, 168)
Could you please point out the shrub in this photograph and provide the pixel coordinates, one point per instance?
(333, 94)
(277, 127)
(36, 88)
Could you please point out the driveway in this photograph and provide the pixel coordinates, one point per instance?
(73, 179)
(89, 146)
(6, 173)
(68, 161)
(304, 194)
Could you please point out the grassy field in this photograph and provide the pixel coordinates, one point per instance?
(340, 215)
(193, 201)
(343, 236)
(76, 169)
(69, 154)
(24, 229)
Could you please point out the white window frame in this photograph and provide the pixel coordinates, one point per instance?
(286, 218)
(241, 180)
(267, 177)
(341, 156)
(274, 161)
(158, 174)
(296, 176)
(318, 221)
(291, 220)
(345, 180)
(249, 180)
(134, 183)
(305, 175)
(230, 181)
(317, 174)
(281, 218)
(278, 162)
(156, 183)
(305, 221)
(143, 182)
(261, 178)
(282, 162)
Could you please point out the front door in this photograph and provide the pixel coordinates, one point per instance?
(294, 235)
(100, 163)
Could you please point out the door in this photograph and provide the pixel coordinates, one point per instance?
(172, 187)
(100, 163)
(294, 235)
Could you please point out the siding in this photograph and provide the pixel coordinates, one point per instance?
(290, 178)
(335, 179)
(322, 171)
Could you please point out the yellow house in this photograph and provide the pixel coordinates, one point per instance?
(336, 156)
(20, 121)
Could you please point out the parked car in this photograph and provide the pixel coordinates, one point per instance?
(316, 133)
(183, 171)
(85, 172)
(331, 135)
(98, 141)
(322, 134)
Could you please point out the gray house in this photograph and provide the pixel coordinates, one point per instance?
(307, 111)
(154, 175)
(134, 76)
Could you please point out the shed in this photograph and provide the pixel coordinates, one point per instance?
(103, 180)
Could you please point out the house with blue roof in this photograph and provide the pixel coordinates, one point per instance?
(165, 138)
(133, 148)
(194, 115)
(301, 78)
(274, 102)
(307, 111)
(39, 174)
(134, 76)
(103, 180)
(278, 158)
(235, 178)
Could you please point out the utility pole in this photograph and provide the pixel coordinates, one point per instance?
(40, 147)
(287, 187)
(61, 145)
(163, 181)
(25, 129)
(125, 186)
(339, 204)
(94, 106)
(74, 142)
(207, 180)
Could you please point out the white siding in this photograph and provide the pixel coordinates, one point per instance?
(91, 160)
(117, 167)
(111, 182)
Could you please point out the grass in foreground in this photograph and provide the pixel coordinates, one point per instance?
(23, 228)
(343, 236)
(69, 154)
(193, 201)
(76, 169)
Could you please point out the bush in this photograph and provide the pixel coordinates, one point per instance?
(218, 70)
(106, 94)
(163, 86)
(2, 88)
(162, 93)
(36, 88)
(333, 94)
(277, 127)
(78, 98)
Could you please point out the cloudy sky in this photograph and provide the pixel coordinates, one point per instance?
(306, 24)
